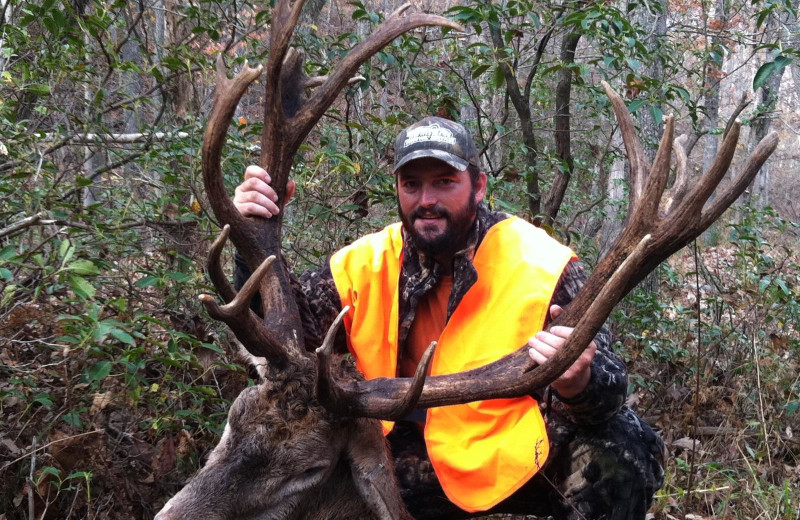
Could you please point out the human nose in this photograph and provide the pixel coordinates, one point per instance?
(427, 197)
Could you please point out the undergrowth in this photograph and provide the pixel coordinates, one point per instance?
(714, 361)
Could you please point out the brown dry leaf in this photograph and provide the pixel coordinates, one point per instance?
(687, 443)
(166, 458)
(185, 444)
(100, 401)
(71, 450)
(66, 449)
(10, 446)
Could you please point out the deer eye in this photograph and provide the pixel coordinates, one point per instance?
(310, 472)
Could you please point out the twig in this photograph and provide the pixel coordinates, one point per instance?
(584, 210)
(32, 487)
(694, 491)
(696, 404)
(21, 224)
(760, 398)
(33, 451)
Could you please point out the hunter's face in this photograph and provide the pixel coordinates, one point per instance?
(438, 204)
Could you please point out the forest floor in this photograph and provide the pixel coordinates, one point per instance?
(103, 446)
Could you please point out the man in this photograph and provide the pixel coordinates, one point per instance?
(480, 283)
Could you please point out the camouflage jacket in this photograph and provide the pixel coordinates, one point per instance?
(602, 398)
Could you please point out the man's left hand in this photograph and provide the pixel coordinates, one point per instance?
(546, 343)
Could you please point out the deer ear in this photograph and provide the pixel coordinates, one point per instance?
(373, 470)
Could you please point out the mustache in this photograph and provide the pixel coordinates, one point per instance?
(435, 211)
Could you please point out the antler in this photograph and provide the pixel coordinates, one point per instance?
(332, 396)
(650, 236)
(289, 115)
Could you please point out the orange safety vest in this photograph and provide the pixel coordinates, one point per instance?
(483, 451)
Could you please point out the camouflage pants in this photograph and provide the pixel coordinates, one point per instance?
(606, 471)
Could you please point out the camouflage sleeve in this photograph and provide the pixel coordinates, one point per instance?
(606, 392)
(323, 301)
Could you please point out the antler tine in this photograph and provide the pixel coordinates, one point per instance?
(639, 164)
(646, 211)
(674, 195)
(249, 330)
(214, 268)
(226, 98)
(395, 25)
(742, 181)
(315, 81)
(246, 325)
(242, 300)
(687, 215)
(400, 10)
(283, 24)
(350, 401)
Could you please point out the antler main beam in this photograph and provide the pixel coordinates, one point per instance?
(654, 232)
(290, 113)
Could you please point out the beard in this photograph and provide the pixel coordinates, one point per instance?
(455, 234)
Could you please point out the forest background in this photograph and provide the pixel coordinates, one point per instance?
(114, 383)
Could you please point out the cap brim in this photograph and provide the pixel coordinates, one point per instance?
(456, 162)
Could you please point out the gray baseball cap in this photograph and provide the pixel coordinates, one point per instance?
(439, 138)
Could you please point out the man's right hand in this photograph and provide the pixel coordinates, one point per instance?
(254, 197)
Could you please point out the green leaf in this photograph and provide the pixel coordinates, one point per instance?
(83, 268)
(635, 105)
(480, 69)
(763, 73)
(683, 93)
(497, 77)
(80, 474)
(47, 470)
(73, 418)
(213, 347)
(768, 69)
(81, 287)
(148, 281)
(123, 336)
(791, 408)
(657, 114)
(5, 274)
(178, 276)
(7, 253)
(39, 90)
(98, 371)
(782, 61)
(44, 400)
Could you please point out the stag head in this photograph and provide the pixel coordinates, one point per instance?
(284, 456)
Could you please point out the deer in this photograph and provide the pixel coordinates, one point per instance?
(307, 442)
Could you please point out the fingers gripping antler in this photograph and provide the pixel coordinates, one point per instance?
(651, 235)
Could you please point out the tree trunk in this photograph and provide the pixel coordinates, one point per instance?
(758, 193)
(563, 136)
